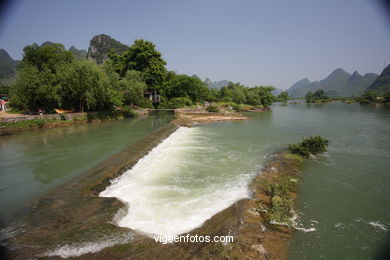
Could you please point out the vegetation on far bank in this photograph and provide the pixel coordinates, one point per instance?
(50, 77)
(44, 122)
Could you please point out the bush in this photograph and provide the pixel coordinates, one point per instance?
(212, 109)
(310, 146)
(275, 189)
(145, 103)
(180, 102)
(237, 107)
(128, 112)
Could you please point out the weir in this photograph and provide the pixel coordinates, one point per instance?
(73, 212)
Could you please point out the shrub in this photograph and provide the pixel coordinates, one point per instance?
(145, 103)
(212, 109)
(180, 102)
(310, 146)
(275, 189)
(281, 209)
(128, 112)
(237, 107)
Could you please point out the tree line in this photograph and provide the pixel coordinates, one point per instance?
(50, 77)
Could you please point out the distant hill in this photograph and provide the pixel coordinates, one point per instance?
(101, 45)
(339, 83)
(382, 83)
(78, 53)
(216, 84)
(7, 65)
(300, 88)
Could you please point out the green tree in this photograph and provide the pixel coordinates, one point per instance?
(179, 102)
(283, 96)
(34, 89)
(386, 96)
(185, 86)
(85, 86)
(132, 87)
(46, 57)
(142, 56)
(370, 95)
(312, 145)
(37, 83)
(234, 92)
(320, 94)
(260, 96)
(309, 97)
(317, 96)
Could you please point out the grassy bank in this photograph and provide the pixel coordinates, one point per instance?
(19, 124)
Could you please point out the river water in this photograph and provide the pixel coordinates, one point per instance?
(196, 172)
(33, 163)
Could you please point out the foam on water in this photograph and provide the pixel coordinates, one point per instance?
(78, 249)
(377, 224)
(179, 185)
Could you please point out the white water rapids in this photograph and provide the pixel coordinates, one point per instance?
(180, 184)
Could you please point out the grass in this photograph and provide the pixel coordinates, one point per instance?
(281, 204)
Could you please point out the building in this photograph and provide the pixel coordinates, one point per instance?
(153, 95)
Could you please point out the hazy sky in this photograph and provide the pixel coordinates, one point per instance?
(255, 42)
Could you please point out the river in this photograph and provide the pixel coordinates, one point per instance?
(196, 172)
(33, 163)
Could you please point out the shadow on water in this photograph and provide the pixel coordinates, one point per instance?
(384, 251)
(4, 245)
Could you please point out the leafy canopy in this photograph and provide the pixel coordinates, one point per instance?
(142, 56)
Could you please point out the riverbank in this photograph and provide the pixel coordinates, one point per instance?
(18, 123)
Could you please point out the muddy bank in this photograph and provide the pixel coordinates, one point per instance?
(188, 118)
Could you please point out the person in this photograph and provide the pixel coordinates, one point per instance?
(3, 105)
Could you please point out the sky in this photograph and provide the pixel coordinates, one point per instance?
(255, 42)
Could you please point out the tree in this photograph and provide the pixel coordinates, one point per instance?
(317, 96)
(260, 96)
(85, 86)
(283, 96)
(45, 57)
(386, 96)
(234, 92)
(34, 89)
(312, 145)
(309, 97)
(37, 83)
(185, 86)
(143, 57)
(132, 88)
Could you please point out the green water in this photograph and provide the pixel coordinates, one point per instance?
(34, 163)
(344, 194)
(347, 189)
